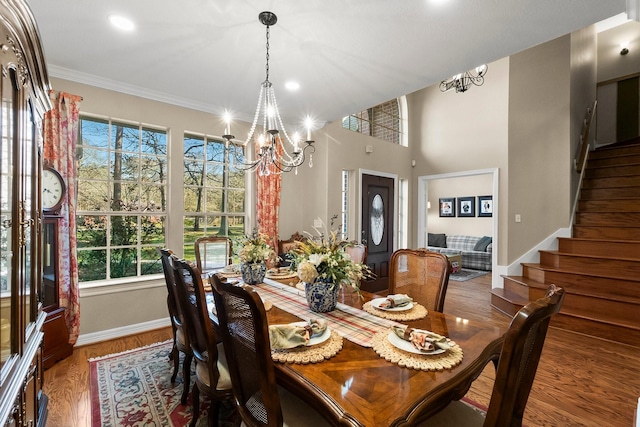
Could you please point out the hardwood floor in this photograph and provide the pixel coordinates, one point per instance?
(581, 381)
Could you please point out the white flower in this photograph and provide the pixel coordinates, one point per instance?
(307, 272)
(316, 259)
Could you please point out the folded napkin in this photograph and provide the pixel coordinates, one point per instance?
(295, 334)
(398, 300)
(421, 339)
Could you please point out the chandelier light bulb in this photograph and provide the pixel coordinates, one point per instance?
(227, 123)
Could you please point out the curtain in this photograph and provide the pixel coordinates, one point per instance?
(268, 200)
(59, 146)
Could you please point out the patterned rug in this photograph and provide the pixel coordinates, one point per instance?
(467, 274)
(134, 388)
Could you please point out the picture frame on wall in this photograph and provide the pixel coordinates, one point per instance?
(447, 206)
(485, 206)
(466, 206)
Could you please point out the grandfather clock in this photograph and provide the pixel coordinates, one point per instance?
(56, 335)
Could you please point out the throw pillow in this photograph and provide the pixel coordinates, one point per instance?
(482, 244)
(437, 240)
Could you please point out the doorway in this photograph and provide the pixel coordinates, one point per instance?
(377, 221)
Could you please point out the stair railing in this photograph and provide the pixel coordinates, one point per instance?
(580, 161)
(583, 147)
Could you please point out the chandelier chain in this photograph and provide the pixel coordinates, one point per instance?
(267, 66)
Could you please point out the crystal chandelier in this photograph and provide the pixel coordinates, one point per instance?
(461, 82)
(271, 153)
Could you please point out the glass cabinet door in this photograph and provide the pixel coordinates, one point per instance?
(7, 154)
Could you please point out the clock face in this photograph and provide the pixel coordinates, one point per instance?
(52, 189)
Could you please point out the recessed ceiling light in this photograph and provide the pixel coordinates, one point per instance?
(121, 23)
(292, 85)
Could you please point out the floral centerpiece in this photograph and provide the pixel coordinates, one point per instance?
(254, 254)
(324, 266)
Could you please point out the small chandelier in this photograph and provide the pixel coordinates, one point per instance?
(461, 82)
(271, 146)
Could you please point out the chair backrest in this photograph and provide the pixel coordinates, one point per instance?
(173, 301)
(213, 252)
(519, 359)
(425, 272)
(245, 336)
(357, 252)
(198, 324)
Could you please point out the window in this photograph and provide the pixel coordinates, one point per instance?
(121, 207)
(214, 192)
(403, 214)
(383, 121)
(345, 205)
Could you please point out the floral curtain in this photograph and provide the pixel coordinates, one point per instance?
(268, 206)
(60, 137)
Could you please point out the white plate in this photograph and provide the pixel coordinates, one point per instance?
(398, 342)
(316, 340)
(377, 301)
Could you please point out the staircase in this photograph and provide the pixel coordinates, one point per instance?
(599, 267)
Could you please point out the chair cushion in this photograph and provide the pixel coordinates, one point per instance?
(457, 414)
(202, 372)
(437, 240)
(180, 337)
(297, 413)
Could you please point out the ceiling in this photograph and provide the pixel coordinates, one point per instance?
(346, 55)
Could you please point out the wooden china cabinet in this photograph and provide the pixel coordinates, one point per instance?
(24, 88)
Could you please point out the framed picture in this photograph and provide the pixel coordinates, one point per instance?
(485, 205)
(466, 206)
(448, 206)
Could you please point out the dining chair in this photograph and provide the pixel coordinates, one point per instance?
(213, 252)
(357, 252)
(212, 375)
(245, 334)
(181, 343)
(429, 270)
(516, 371)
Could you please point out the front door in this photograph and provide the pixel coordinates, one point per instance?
(377, 228)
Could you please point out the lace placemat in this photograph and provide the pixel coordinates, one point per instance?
(424, 362)
(314, 354)
(418, 311)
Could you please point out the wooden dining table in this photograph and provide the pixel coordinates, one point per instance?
(358, 387)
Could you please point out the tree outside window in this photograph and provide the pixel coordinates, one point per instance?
(122, 199)
(214, 191)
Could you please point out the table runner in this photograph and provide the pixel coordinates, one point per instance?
(354, 324)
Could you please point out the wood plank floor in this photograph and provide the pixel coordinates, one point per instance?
(581, 381)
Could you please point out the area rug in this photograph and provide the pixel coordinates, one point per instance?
(467, 274)
(134, 388)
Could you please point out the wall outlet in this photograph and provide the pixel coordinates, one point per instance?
(518, 218)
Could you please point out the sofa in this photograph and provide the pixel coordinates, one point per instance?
(475, 250)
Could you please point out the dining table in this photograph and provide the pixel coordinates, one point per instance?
(357, 378)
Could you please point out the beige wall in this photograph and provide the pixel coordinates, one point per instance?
(467, 186)
(611, 65)
(539, 135)
(456, 132)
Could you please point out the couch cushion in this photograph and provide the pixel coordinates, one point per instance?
(482, 244)
(463, 243)
(437, 240)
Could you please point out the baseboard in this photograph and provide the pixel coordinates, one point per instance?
(122, 331)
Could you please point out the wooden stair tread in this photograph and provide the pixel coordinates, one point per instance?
(572, 254)
(570, 290)
(564, 270)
